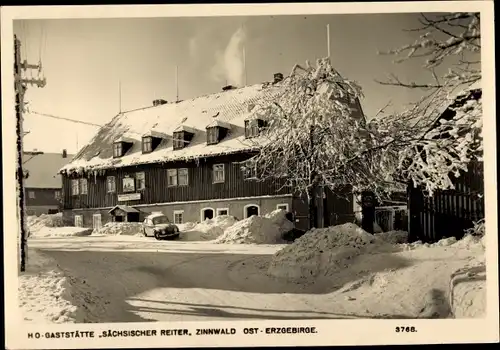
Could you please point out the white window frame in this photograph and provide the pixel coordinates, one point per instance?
(138, 183)
(250, 205)
(202, 211)
(82, 187)
(223, 173)
(179, 212)
(78, 218)
(218, 210)
(169, 174)
(117, 149)
(179, 177)
(31, 194)
(108, 182)
(57, 194)
(75, 187)
(283, 205)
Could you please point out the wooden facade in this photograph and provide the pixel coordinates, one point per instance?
(157, 190)
(447, 213)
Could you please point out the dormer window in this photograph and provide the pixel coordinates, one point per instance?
(151, 140)
(181, 137)
(147, 144)
(117, 149)
(253, 127)
(178, 140)
(212, 135)
(216, 132)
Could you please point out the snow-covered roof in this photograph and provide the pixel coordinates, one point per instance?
(42, 169)
(155, 133)
(229, 106)
(219, 123)
(125, 208)
(126, 138)
(187, 128)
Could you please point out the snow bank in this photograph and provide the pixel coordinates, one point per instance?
(42, 291)
(467, 242)
(207, 230)
(257, 229)
(61, 232)
(45, 220)
(468, 292)
(320, 252)
(121, 228)
(393, 237)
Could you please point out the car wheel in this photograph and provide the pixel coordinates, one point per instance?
(157, 236)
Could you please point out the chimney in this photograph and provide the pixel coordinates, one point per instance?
(228, 87)
(278, 77)
(64, 153)
(159, 102)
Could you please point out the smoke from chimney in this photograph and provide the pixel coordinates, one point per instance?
(230, 64)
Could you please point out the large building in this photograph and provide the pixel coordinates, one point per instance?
(182, 158)
(43, 184)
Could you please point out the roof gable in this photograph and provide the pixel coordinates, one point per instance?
(43, 169)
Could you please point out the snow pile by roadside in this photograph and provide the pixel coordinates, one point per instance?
(45, 220)
(42, 291)
(186, 226)
(257, 229)
(120, 228)
(68, 231)
(207, 230)
(320, 252)
(393, 237)
(467, 242)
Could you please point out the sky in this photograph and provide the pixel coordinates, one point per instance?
(94, 67)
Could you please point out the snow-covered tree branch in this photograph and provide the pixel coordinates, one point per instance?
(433, 150)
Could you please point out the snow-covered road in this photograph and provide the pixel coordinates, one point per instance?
(136, 279)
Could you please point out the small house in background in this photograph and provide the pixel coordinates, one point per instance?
(43, 184)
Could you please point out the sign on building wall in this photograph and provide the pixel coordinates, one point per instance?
(129, 197)
(128, 184)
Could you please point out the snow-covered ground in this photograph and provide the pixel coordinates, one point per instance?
(337, 272)
(42, 291)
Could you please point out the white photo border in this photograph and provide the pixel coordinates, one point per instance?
(329, 332)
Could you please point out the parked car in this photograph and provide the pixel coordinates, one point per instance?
(159, 227)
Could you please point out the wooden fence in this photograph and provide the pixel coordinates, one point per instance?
(447, 213)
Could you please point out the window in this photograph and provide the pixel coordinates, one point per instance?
(117, 149)
(178, 142)
(147, 144)
(31, 194)
(172, 177)
(57, 194)
(128, 184)
(212, 135)
(83, 186)
(183, 177)
(251, 210)
(75, 189)
(283, 206)
(140, 179)
(218, 173)
(222, 211)
(110, 184)
(78, 221)
(252, 128)
(178, 217)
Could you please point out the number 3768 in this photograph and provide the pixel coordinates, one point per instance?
(406, 329)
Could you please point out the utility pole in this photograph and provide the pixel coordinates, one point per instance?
(20, 86)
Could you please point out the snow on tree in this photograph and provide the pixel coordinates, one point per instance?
(314, 137)
(434, 148)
